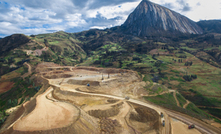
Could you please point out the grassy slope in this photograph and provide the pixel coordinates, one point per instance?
(168, 101)
(181, 99)
(22, 91)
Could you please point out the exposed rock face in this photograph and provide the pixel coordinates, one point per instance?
(149, 19)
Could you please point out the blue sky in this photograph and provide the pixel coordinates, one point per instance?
(46, 16)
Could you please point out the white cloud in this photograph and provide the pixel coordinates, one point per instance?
(40, 16)
(75, 20)
(111, 12)
(200, 9)
(97, 27)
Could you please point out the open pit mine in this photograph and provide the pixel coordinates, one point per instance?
(89, 100)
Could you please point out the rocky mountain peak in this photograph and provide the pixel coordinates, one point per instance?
(150, 18)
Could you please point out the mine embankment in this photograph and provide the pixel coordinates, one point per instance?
(109, 126)
(113, 111)
(112, 101)
(105, 70)
(83, 82)
(57, 76)
(144, 119)
(29, 106)
(78, 99)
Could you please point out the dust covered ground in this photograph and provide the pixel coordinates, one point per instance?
(181, 128)
(88, 100)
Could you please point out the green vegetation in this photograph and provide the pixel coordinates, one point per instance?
(187, 48)
(213, 111)
(181, 99)
(177, 79)
(195, 109)
(163, 100)
(145, 78)
(168, 101)
(22, 91)
(155, 88)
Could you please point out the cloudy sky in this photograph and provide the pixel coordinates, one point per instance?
(46, 16)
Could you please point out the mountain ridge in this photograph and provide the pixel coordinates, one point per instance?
(210, 26)
(150, 18)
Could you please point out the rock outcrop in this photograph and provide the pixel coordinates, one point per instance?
(152, 19)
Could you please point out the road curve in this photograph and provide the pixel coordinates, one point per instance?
(29, 70)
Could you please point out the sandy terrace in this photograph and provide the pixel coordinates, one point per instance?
(47, 115)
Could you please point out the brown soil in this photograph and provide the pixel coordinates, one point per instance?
(106, 113)
(46, 115)
(112, 101)
(47, 64)
(57, 76)
(5, 86)
(144, 119)
(203, 84)
(10, 76)
(83, 82)
(218, 125)
(187, 103)
(77, 98)
(174, 83)
(29, 70)
(181, 128)
(108, 126)
(177, 102)
(104, 70)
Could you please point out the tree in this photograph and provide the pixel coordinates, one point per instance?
(188, 63)
(194, 76)
(159, 70)
(187, 78)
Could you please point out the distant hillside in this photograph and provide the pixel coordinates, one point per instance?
(210, 26)
(11, 42)
(152, 19)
